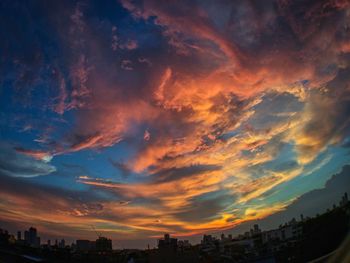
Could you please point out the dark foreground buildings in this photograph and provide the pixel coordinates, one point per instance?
(301, 240)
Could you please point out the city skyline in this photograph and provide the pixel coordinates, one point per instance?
(314, 202)
(132, 119)
(31, 237)
(295, 240)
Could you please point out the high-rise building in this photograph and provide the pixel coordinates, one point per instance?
(31, 237)
(103, 244)
(167, 243)
(62, 244)
(19, 235)
(167, 249)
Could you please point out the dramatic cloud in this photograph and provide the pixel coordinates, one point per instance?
(175, 110)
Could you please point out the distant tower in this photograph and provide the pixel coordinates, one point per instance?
(19, 235)
(33, 236)
(49, 243)
(302, 217)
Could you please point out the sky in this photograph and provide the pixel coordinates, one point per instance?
(140, 118)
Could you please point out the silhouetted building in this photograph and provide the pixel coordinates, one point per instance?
(103, 244)
(222, 236)
(167, 249)
(167, 243)
(183, 244)
(62, 244)
(85, 245)
(31, 237)
(19, 235)
(207, 239)
(209, 243)
(256, 230)
(291, 231)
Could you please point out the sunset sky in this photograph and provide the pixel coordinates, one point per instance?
(186, 117)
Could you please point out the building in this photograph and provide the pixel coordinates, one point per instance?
(183, 245)
(255, 230)
(31, 237)
(207, 239)
(19, 239)
(103, 244)
(209, 243)
(85, 245)
(167, 243)
(62, 244)
(167, 249)
(289, 232)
